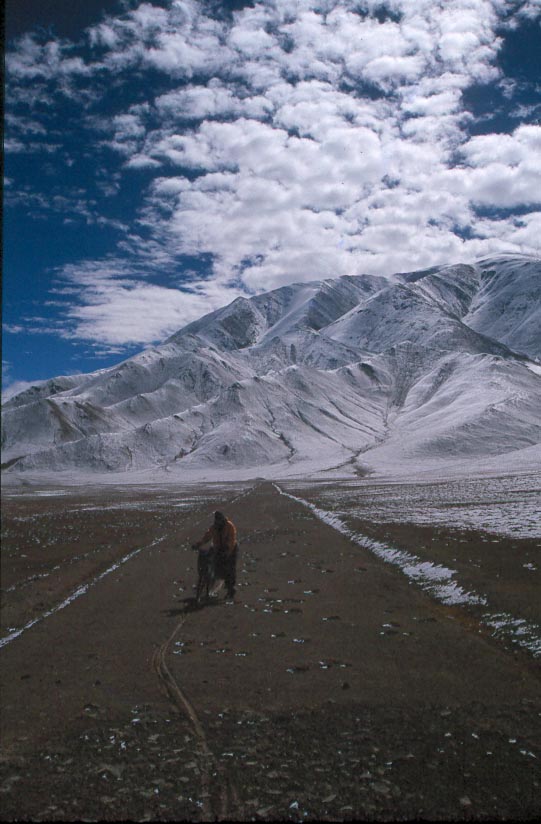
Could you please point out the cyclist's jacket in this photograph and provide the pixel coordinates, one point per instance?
(224, 539)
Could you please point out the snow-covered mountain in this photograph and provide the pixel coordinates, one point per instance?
(357, 373)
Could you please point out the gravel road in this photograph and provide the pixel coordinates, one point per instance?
(332, 688)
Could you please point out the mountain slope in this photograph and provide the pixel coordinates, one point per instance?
(247, 322)
(505, 313)
(359, 372)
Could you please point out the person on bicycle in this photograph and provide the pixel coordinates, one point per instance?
(223, 535)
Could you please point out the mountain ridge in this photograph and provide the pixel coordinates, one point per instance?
(363, 371)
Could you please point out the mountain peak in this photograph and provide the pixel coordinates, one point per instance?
(433, 365)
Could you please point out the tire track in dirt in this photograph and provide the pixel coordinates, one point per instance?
(81, 590)
(227, 801)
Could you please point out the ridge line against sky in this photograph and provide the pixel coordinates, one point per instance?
(163, 158)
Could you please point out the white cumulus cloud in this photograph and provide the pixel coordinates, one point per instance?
(292, 141)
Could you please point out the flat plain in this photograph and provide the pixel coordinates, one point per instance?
(347, 681)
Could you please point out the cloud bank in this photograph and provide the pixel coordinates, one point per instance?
(281, 142)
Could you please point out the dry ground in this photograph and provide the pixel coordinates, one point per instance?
(331, 689)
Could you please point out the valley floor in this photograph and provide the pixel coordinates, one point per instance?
(341, 684)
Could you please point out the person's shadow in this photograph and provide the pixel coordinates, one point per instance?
(190, 605)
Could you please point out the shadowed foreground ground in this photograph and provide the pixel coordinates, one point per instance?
(332, 689)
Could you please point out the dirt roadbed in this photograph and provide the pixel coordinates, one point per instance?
(332, 688)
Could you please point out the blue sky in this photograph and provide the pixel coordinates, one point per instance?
(162, 158)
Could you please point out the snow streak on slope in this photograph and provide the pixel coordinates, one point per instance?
(432, 368)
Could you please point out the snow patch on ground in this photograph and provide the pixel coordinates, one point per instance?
(433, 578)
(436, 580)
(517, 630)
(501, 505)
